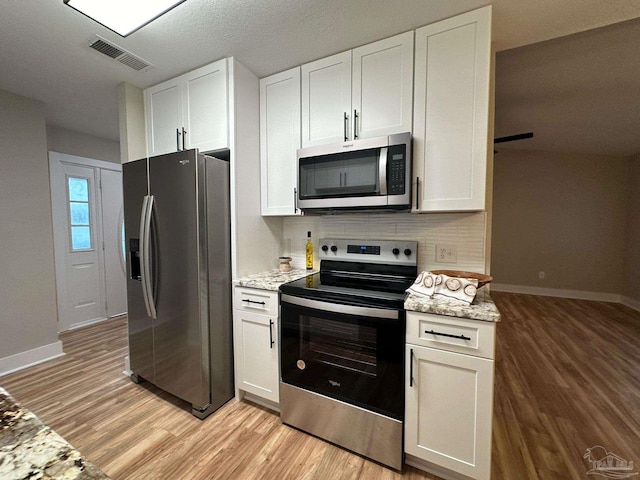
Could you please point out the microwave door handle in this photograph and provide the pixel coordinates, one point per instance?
(382, 170)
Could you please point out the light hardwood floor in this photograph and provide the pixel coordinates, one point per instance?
(567, 378)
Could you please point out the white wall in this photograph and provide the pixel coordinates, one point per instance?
(131, 122)
(82, 145)
(255, 239)
(28, 315)
(465, 231)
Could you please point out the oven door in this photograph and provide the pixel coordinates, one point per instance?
(349, 353)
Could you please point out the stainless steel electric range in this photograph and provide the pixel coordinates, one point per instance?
(342, 346)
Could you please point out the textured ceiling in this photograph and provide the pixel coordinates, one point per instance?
(44, 53)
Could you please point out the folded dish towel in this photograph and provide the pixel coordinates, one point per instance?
(429, 284)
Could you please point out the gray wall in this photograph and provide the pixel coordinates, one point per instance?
(75, 143)
(632, 251)
(28, 314)
(564, 214)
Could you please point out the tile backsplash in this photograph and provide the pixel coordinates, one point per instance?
(464, 231)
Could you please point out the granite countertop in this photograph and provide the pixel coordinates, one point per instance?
(271, 279)
(482, 307)
(30, 449)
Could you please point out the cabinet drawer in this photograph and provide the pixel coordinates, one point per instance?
(254, 300)
(473, 337)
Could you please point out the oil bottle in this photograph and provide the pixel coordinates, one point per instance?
(309, 252)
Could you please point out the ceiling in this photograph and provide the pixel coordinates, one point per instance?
(578, 94)
(45, 55)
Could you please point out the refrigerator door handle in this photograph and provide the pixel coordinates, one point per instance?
(143, 253)
(145, 247)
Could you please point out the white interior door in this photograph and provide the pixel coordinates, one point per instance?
(113, 233)
(85, 219)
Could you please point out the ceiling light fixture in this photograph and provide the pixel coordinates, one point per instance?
(123, 16)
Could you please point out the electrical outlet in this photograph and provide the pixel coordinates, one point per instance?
(446, 254)
(541, 275)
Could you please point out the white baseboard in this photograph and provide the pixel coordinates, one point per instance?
(557, 292)
(16, 362)
(86, 323)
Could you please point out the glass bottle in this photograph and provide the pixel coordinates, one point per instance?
(309, 252)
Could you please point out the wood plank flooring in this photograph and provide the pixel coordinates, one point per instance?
(567, 378)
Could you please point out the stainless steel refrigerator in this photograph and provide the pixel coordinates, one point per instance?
(177, 234)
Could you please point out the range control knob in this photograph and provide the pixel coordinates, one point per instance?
(334, 248)
(396, 251)
(407, 251)
(324, 248)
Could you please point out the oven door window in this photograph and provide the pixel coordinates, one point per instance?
(358, 360)
(340, 175)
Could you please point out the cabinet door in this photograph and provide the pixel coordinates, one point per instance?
(205, 107)
(163, 107)
(451, 112)
(256, 354)
(448, 410)
(382, 88)
(279, 140)
(326, 100)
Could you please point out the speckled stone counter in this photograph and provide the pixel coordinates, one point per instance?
(271, 279)
(31, 450)
(482, 307)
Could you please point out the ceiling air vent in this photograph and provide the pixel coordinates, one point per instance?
(118, 53)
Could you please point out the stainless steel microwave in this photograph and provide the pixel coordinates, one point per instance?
(372, 173)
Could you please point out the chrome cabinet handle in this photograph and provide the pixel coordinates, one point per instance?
(184, 136)
(417, 191)
(295, 200)
(178, 139)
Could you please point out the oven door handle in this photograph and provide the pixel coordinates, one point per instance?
(340, 308)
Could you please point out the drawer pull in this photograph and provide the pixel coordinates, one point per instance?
(271, 334)
(433, 332)
(411, 369)
(253, 301)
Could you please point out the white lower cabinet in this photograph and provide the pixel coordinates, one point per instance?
(448, 406)
(255, 332)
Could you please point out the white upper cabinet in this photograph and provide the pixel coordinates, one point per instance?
(361, 93)
(326, 100)
(206, 106)
(163, 105)
(279, 140)
(451, 113)
(382, 87)
(190, 111)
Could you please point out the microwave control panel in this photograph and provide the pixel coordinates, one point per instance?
(396, 170)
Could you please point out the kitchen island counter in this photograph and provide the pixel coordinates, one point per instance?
(271, 279)
(482, 307)
(31, 449)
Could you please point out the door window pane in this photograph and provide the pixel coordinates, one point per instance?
(80, 238)
(79, 213)
(78, 189)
